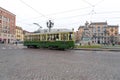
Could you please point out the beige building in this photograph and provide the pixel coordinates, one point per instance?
(7, 26)
(119, 39)
(113, 33)
(19, 34)
(100, 32)
(79, 33)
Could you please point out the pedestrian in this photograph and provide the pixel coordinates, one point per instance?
(16, 43)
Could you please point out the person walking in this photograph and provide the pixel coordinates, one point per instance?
(16, 43)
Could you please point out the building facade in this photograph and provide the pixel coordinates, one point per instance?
(101, 32)
(19, 34)
(7, 26)
(79, 33)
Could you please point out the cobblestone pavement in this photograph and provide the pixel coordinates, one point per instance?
(43, 64)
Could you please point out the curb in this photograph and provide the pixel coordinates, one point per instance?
(97, 49)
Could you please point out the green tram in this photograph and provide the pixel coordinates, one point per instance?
(53, 40)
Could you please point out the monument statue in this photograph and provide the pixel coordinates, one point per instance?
(86, 38)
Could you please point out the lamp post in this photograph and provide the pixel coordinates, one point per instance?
(50, 24)
(38, 25)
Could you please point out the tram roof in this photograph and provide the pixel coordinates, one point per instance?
(46, 31)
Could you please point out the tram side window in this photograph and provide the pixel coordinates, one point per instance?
(70, 36)
(51, 37)
(39, 37)
(54, 36)
(43, 37)
(57, 36)
(64, 37)
(31, 38)
(35, 38)
(27, 38)
(48, 37)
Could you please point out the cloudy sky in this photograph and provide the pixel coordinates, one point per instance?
(64, 13)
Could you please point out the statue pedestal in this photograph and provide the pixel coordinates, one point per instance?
(86, 38)
(86, 41)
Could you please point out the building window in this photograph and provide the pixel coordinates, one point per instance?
(116, 32)
(104, 28)
(98, 28)
(111, 29)
(94, 30)
(101, 34)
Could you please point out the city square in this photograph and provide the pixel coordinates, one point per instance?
(21, 63)
(59, 40)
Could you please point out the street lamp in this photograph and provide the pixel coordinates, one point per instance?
(38, 25)
(50, 24)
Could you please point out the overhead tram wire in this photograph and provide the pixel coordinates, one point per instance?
(67, 11)
(93, 6)
(77, 22)
(99, 2)
(33, 8)
(62, 12)
(88, 3)
(57, 13)
(111, 12)
(108, 12)
(113, 18)
(74, 16)
(86, 14)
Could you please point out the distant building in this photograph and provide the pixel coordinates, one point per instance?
(26, 32)
(19, 34)
(79, 34)
(7, 26)
(101, 32)
(119, 39)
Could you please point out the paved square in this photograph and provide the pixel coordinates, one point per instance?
(43, 64)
